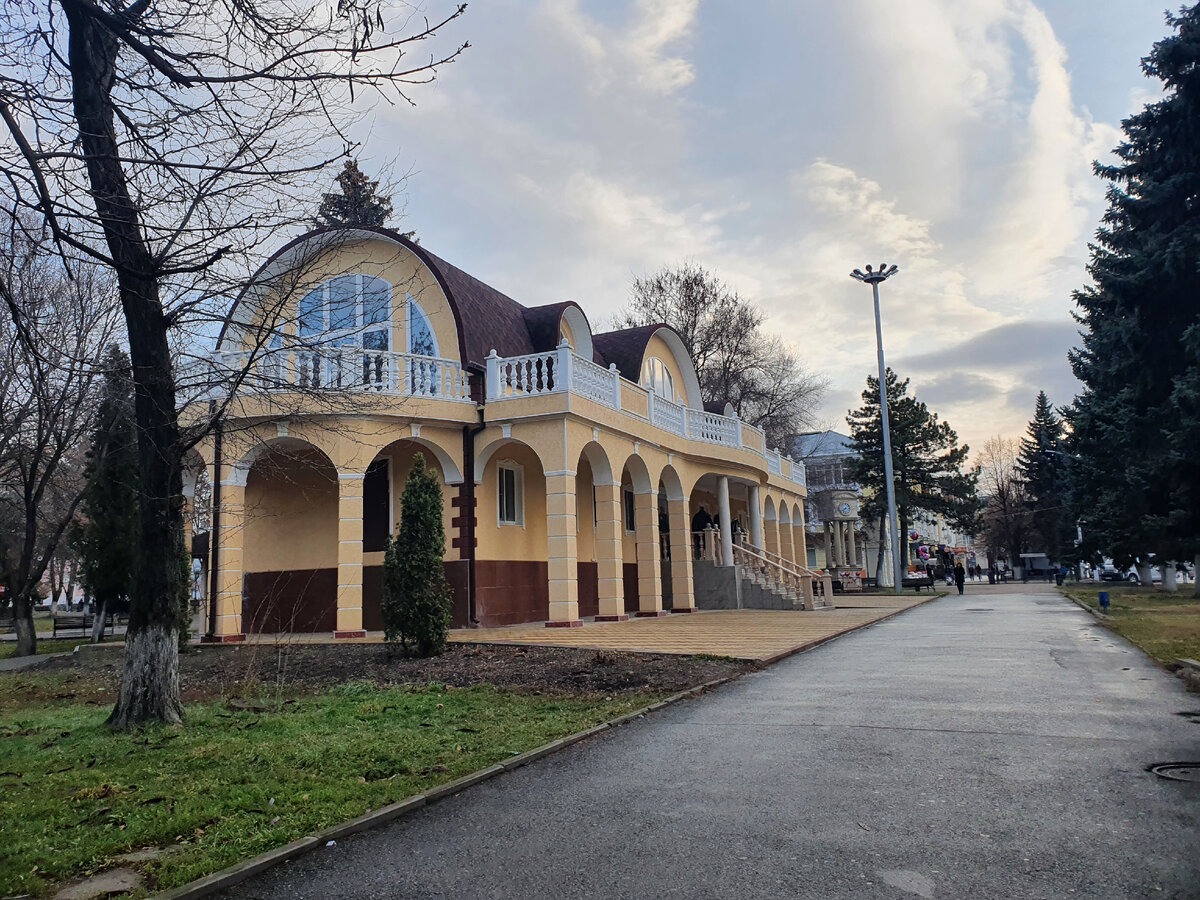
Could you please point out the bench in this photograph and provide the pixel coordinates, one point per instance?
(79, 622)
(917, 581)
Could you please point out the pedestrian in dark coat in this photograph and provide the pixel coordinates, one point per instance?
(960, 576)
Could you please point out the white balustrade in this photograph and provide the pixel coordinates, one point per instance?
(523, 376)
(596, 382)
(345, 369)
(774, 463)
(667, 415)
(712, 428)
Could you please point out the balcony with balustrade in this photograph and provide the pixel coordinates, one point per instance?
(521, 385)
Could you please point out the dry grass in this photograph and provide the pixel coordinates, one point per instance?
(1166, 626)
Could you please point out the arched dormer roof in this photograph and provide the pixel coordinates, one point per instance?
(545, 326)
(627, 349)
(485, 318)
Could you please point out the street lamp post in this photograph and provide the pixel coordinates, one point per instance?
(873, 277)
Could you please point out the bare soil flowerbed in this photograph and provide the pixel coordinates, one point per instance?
(253, 669)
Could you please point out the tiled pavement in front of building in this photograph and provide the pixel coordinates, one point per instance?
(743, 633)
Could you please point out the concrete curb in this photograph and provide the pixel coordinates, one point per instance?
(219, 881)
(1098, 616)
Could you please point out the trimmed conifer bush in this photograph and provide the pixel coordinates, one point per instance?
(416, 596)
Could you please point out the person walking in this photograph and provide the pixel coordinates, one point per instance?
(960, 576)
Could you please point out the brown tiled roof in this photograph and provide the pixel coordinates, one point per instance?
(625, 348)
(488, 319)
(543, 324)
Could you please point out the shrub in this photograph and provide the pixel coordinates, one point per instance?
(416, 597)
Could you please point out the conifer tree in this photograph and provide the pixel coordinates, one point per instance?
(927, 461)
(108, 538)
(357, 202)
(1042, 467)
(1133, 427)
(416, 596)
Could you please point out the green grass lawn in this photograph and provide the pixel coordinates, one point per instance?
(232, 784)
(8, 649)
(1166, 626)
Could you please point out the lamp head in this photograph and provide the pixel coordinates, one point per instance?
(874, 275)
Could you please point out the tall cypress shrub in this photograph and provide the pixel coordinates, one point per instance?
(416, 596)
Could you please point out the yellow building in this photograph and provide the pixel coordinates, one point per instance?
(574, 465)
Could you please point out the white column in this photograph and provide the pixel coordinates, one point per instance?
(726, 520)
(839, 552)
(756, 532)
(852, 548)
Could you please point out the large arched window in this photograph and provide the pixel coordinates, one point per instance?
(350, 310)
(421, 339)
(656, 377)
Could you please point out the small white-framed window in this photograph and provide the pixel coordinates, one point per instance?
(656, 377)
(630, 508)
(510, 493)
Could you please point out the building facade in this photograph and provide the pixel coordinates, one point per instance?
(573, 465)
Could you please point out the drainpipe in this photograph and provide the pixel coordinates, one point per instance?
(468, 509)
(214, 529)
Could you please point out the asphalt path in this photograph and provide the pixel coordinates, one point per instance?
(993, 745)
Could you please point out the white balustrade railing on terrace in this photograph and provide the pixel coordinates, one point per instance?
(346, 369)
(562, 371)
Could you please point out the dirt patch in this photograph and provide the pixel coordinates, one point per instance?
(250, 669)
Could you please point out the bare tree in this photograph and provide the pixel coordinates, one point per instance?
(50, 341)
(170, 140)
(1006, 513)
(737, 361)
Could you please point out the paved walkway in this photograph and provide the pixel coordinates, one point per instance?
(757, 634)
(988, 746)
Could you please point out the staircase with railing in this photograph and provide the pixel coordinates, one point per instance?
(793, 585)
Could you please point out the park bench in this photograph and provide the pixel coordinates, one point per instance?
(917, 581)
(79, 622)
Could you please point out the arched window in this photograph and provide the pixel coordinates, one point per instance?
(350, 310)
(421, 339)
(656, 377)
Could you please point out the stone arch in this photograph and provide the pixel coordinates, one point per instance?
(290, 537)
(769, 509)
(485, 455)
(639, 475)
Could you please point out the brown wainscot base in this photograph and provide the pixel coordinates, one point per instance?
(574, 623)
(686, 609)
(222, 639)
(348, 635)
(621, 618)
(652, 613)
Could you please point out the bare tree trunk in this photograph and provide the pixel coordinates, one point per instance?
(150, 679)
(23, 621)
(98, 623)
(1196, 576)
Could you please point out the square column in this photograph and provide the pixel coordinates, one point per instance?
(683, 599)
(648, 555)
(801, 540)
(609, 559)
(771, 535)
(785, 541)
(229, 539)
(562, 552)
(350, 536)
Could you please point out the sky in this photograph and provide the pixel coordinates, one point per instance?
(578, 145)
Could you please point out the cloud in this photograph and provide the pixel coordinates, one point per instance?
(580, 144)
(1006, 347)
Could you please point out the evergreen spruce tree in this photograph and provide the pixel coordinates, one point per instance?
(1042, 466)
(1133, 427)
(108, 538)
(927, 461)
(357, 202)
(416, 604)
